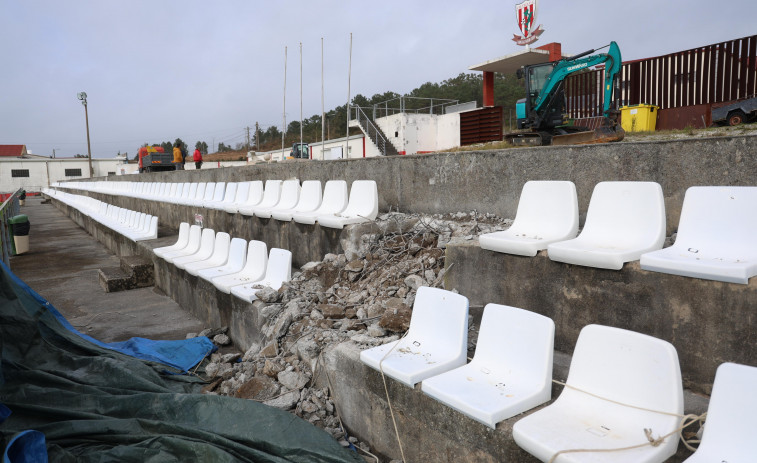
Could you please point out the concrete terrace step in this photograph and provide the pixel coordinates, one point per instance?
(134, 272)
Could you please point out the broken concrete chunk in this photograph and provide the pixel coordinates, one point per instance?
(286, 401)
(228, 358)
(331, 310)
(396, 320)
(221, 339)
(293, 380)
(272, 368)
(267, 294)
(414, 282)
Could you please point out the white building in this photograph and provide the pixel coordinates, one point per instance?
(20, 169)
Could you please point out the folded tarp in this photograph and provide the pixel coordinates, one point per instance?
(92, 403)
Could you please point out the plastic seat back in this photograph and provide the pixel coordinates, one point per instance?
(547, 207)
(272, 193)
(729, 430)
(183, 238)
(363, 200)
(199, 192)
(255, 195)
(172, 191)
(719, 221)
(219, 192)
(290, 194)
(310, 196)
(439, 321)
(237, 254)
(257, 259)
(279, 268)
(230, 194)
(242, 193)
(221, 248)
(210, 189)
(626, 214)
(191, 192)
(628, 367)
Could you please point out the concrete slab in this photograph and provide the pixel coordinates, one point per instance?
(62, 265)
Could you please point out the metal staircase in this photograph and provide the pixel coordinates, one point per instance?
(370, 129)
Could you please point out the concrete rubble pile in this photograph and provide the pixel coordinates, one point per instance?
(363, 296)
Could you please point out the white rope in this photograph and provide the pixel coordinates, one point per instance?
(388, 400)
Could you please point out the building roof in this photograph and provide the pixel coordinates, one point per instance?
(12, 150)
(510, 63)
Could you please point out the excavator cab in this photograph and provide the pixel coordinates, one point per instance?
(299, 151)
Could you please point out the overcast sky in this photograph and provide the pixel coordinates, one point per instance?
(203, 70)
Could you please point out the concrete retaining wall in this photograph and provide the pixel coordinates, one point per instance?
(709, 322)
(491, 181)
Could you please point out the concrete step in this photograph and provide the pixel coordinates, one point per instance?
(134, 272)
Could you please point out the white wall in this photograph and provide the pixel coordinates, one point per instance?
(355, 149)
(421, 133)
(43, 172)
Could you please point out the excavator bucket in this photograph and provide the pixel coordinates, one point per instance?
(599, 135)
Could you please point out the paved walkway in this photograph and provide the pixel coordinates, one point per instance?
(62, 265)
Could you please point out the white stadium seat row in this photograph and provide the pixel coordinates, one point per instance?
(232, 265)
(626, 222)
(620, 383)
(136, 226)
(283, 200)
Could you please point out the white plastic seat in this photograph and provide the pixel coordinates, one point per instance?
(252, 198)
(617, 365)
(193, 245)
(547, 213)
(624, 221)
(181, 242)
(271, 196)
(278, 271)
(218, 257)
(717, 236)
(334, 201)
(436, 341)
(290, 195)
(228, 197)
(234, 264)
(218, 195)
(240, 195)
(510, 373)
(189, 194)
(207, 241)
(729, 429)
(199, 195)
(362, 206)
(254, 268)
(210, 189)
(149, 231)
(310, 200)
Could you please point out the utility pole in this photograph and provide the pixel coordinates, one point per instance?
(284, 110)
(83, 97)
(349, 81)
(257, 137)
(300, 99)
(248, 138)
(323, 112)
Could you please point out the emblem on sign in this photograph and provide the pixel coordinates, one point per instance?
(526, 14)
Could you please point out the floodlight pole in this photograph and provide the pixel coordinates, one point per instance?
(83, 97)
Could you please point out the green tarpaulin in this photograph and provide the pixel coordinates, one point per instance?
(95, 404)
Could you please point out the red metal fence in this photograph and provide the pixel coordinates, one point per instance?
(706, 75)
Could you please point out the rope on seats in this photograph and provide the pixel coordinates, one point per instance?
(686, 421)
(388, 400)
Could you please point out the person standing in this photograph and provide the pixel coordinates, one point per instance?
(183, 155)
(197, 156)
(178, 159)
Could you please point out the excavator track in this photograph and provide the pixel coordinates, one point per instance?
(590, 137)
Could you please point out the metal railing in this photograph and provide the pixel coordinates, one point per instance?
(411, 104)
(373, 132)
(8, 209)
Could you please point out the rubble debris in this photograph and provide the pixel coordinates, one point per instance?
(363, 296)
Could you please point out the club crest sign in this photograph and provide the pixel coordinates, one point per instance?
(526, 15)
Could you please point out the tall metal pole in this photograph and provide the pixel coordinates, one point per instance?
(89, 149)
(300, 98)
(283, 112)
(349, 82)
(323, 112)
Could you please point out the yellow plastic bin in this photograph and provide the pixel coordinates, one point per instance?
(639, 118)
